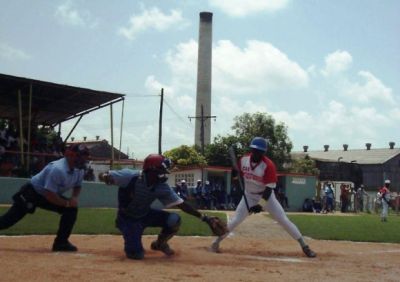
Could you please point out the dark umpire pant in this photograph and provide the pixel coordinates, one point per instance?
(26, 200)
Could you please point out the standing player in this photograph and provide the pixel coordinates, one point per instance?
(46, 189)
(137, 191)
(259, 176)
(384, 195)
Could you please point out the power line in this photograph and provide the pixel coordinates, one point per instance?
(173, 111)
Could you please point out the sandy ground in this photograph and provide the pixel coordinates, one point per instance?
(258, 251)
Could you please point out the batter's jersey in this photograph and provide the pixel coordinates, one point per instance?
(257, 175)
(57, 177)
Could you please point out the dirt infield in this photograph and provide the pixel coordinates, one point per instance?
(258, 251)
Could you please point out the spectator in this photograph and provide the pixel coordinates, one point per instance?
(330, 197)
(384, 195)
(198, 189)
(308, 205)
(182, 190)
(89, 174)
(206, 194)
(344, 197)
(359, 198)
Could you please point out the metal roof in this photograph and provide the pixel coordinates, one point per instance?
(51, 103)
(360, 156)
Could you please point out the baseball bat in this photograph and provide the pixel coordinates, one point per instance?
(234, 162)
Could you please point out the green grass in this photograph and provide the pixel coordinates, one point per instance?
(96, 221)
(359, 228)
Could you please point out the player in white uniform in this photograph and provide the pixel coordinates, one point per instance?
(259, 177)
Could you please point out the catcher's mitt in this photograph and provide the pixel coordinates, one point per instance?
(217, 226)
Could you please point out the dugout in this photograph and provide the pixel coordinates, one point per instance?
(28, 103)
(297, 188)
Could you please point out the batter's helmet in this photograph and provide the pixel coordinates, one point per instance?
(259, 143)
(156, 163)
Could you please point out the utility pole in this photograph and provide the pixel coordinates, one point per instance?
(160, 122)
(202, 118)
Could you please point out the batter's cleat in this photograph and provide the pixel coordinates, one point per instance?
(215, 247)
(162, 247)
(136, 256)
(310, 253)
(63, 247)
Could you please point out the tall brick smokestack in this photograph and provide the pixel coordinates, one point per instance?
(203, 93)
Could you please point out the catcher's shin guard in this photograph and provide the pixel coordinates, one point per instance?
(173, 224)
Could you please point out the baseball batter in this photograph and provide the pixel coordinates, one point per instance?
(259, 177)
(137, 191)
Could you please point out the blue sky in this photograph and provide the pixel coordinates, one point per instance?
(328, 69)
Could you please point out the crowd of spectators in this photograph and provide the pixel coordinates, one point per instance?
(46, 145)
(210, 195)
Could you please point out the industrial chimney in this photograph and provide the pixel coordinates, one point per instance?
(203, 93)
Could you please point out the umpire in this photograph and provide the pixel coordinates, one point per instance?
(46, 189)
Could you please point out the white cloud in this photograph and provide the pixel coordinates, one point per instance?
(295, 121)
(182, 62)
(371, 89)
(67, 14)
(240, 8)
(258, 67)
(151, 18)
(337, 62)
(154, 87)
(337, 124)
(11, 53)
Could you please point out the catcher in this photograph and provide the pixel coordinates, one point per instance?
(137, 190)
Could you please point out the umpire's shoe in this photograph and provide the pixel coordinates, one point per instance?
(310, 253)
(63, 246)
(163, 247)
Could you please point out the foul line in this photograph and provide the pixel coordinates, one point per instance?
(284, 259)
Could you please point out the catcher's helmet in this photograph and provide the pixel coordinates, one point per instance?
(259, 143)
(156, 163)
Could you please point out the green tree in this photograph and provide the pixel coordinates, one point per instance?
(248, 126)
(185, 155)
(216, 153)
(304, 165)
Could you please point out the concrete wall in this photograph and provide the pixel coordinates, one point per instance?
(93, 194)
(298, 188)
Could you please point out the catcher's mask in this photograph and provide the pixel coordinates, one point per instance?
(78, 154)
(156, 168)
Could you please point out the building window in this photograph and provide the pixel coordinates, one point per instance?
(188, 177)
